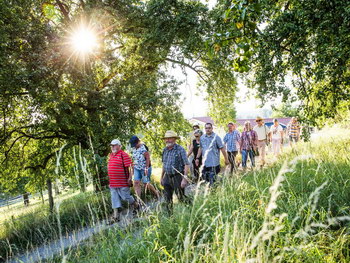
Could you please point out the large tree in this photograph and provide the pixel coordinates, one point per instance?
(53, 95)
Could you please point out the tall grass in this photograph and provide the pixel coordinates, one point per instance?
(295, 211)
(39, 226)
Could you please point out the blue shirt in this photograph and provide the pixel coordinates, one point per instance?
(231, 139)
(211, 145)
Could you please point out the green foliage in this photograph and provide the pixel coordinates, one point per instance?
(52, 97)
(306, 41)
(304, 217)
(285, 110)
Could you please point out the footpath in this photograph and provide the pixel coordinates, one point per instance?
(58, 247)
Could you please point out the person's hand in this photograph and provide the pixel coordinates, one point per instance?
(184, 182)
(197, 162)
(146, 171)
(227, 162)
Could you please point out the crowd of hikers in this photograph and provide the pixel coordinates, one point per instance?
(126, 171)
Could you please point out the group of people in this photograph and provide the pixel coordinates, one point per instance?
(205, 149)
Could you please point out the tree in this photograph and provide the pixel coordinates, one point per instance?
(305, 41)
(52, 96)
(285, 110)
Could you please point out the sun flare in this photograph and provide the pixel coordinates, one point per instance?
(83, 41)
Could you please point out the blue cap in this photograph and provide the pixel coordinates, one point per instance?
(134, 140)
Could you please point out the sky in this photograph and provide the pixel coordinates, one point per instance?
(194, 104)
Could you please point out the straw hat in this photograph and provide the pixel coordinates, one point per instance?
(171, 134)
(259, 119)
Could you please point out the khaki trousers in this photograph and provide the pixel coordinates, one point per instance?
(262, 150)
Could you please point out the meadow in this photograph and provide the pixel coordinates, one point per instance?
(297, 210)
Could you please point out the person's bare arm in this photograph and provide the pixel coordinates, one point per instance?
(199, 154)
(148, 159)
(184, 180)
(224, 153)
(131, 172)
(162, 176)
(190, 151)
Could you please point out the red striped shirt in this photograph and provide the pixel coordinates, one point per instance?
(116, 172)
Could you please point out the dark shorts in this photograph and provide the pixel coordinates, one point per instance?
(291, 138)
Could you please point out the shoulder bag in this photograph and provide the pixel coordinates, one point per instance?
(125, 172)
(267, 138)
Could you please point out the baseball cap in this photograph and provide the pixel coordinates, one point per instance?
(134, 140)
(115, 142)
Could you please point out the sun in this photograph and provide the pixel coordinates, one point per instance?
(83, 41)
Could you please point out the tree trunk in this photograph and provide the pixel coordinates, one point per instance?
(26, 199)
(82, 186)
(42, 195)
(57, 190)
(49, 189)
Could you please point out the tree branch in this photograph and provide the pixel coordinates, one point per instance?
(199, 72)
(105, 81)
(44, 164)
(64, 9)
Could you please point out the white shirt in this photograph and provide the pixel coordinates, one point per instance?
(276, 131)
(262, 132)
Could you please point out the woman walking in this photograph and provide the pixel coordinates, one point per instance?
(248, 144)
(142, 167)
(277, 137)
(194, 149)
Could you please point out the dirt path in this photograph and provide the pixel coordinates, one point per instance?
(73, 239)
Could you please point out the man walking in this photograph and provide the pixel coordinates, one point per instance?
(231, 139)
(263, 133)
(120, 178)
(210, 147)
(175, 169)
(293, 131)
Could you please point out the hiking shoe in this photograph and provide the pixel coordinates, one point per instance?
(112, 220)
(136, 211)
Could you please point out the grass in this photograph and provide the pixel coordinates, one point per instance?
(38, 226)
(23, 228)
(18, 209)
(294, 211)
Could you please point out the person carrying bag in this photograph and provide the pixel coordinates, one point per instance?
(120, 180)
